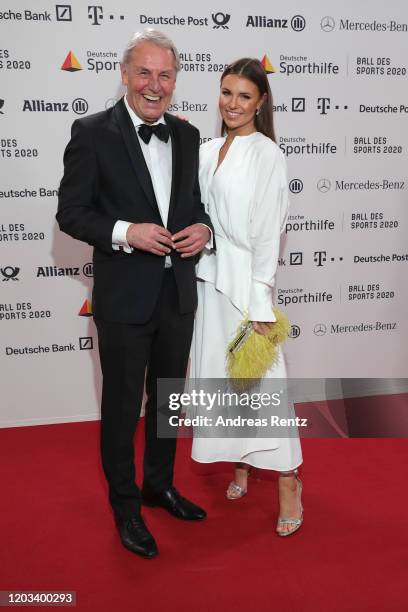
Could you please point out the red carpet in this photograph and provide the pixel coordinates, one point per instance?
(57, 532)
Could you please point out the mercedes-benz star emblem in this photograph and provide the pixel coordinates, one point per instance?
(110, 102)
(327, 24)
(324, 185)
(320, 329)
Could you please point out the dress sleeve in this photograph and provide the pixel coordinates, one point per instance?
(267, 222)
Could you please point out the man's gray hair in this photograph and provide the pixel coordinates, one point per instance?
(154, 37)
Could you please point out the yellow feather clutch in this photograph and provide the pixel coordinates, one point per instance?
(250, 355)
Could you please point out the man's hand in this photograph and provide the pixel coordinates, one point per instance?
(191, 240)
(262, 327)
(149, 237)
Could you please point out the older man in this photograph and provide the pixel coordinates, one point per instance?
(130, 189)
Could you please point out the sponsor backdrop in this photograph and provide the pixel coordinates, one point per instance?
(338, 72)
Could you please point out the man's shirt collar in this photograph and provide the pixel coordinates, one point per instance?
(136, 120)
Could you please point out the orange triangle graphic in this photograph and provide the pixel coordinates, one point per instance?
(86, 309)
(71, 63)
(267, 65)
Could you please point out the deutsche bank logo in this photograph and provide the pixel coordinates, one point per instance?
(298, 23)
(86, 343)
(63, 12)
(220, 20)
(298, 105)
(296, 259)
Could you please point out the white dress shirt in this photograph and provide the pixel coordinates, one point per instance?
(158, 157)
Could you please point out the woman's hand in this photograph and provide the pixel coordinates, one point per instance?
(261, 327)
(191, 240)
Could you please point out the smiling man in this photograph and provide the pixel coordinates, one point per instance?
(130, 189)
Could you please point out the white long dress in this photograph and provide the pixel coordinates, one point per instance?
(247, 200)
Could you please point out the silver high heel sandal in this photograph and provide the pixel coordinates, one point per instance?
(239, 491)
(296, 522)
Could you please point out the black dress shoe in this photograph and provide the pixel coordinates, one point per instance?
(136, 537)
(174, 503)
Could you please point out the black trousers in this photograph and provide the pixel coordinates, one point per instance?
(161, 345)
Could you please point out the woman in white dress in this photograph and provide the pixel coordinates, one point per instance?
(244, 188)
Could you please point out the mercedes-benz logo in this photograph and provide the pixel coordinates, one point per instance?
(324, 185)
(110, 102)
(327, 24)
(319, 329)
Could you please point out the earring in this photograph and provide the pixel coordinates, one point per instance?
(257, 111)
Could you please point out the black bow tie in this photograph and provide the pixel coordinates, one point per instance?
(160, 129)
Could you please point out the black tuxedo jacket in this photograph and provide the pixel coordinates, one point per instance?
(105, 179)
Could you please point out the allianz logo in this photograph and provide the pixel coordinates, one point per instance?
(47, 271)
(79, 106)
